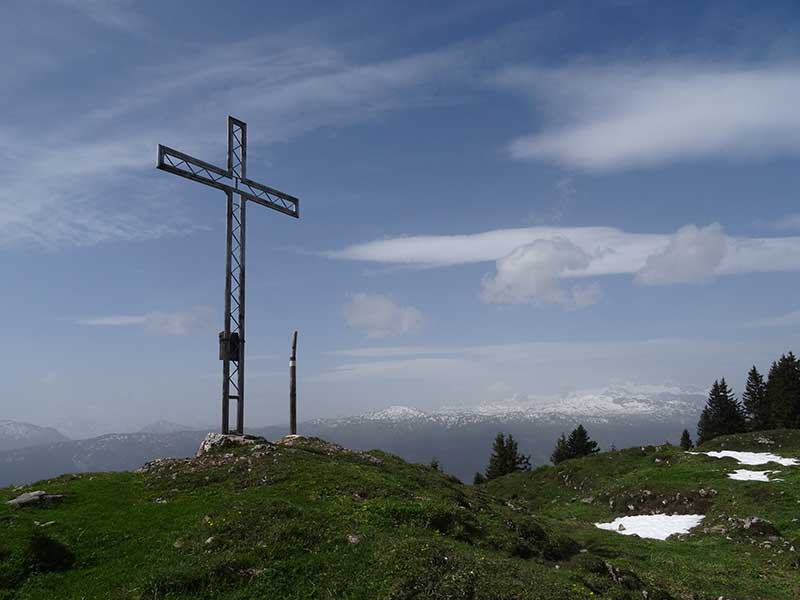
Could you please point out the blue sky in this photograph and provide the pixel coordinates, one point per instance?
(498, 199)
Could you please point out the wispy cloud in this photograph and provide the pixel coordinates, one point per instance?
(612, 116)
(691, 254)
(476, 367)
(613, 251)
(790, 319)
(379, 316)
(72, 176)
(116, 14)
(179, 322)
(409, 368)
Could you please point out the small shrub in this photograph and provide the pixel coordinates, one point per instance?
(44, 554)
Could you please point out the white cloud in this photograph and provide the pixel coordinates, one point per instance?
(532, 262)
(693, 255)
(379, 316)
(533, 272)
(612, 251)
(462, 374)
(616, 116)
(179, 322)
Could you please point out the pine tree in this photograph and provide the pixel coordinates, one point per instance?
(783, 392)
(516, 460)
(723, 415)
(434, 464)
(478, 479)
(754, 402)
(506, 457)
(686, 441)
(580, 444)
(560, 452)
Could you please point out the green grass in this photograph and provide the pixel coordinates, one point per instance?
(717, 559)
(312, 521)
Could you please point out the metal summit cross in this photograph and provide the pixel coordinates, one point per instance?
(238, 189)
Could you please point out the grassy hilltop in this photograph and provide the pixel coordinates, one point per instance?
(305, 519)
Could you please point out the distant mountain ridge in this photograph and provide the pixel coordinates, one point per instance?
(618, 401)
(16, 434)
(460, 438)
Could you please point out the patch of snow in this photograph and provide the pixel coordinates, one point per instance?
(752, 458)
(655, 527)
(748, 475)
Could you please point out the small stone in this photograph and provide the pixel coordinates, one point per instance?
(621, 527)
(210, 540)
(354, 538)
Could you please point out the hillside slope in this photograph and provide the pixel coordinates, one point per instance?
(303, 518)
(298, 519)
(729, 555)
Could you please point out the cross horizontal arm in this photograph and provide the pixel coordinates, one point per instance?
(270, 197)
(178, 163)
(192, 168)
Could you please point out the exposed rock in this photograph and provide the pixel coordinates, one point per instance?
(354, 538)
(215, 441)
(760, 526)
(37, 497)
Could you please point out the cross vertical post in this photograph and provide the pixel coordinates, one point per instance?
(238, 189)
(293, 387)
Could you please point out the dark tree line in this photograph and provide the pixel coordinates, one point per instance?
(506, 457)
(770, 404)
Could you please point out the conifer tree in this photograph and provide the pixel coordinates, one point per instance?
(478, 479)
(506, 457)
(723, 415)
(560, 452)
(686, 440)
(783, 392)
(754, 402)
(580, 444)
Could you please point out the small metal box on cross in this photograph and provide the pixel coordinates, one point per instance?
(238, 189)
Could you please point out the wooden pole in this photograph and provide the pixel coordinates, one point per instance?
(293, 386)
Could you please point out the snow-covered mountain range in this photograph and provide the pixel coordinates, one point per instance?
(460, 438)
(14, 434)
(625, 401)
